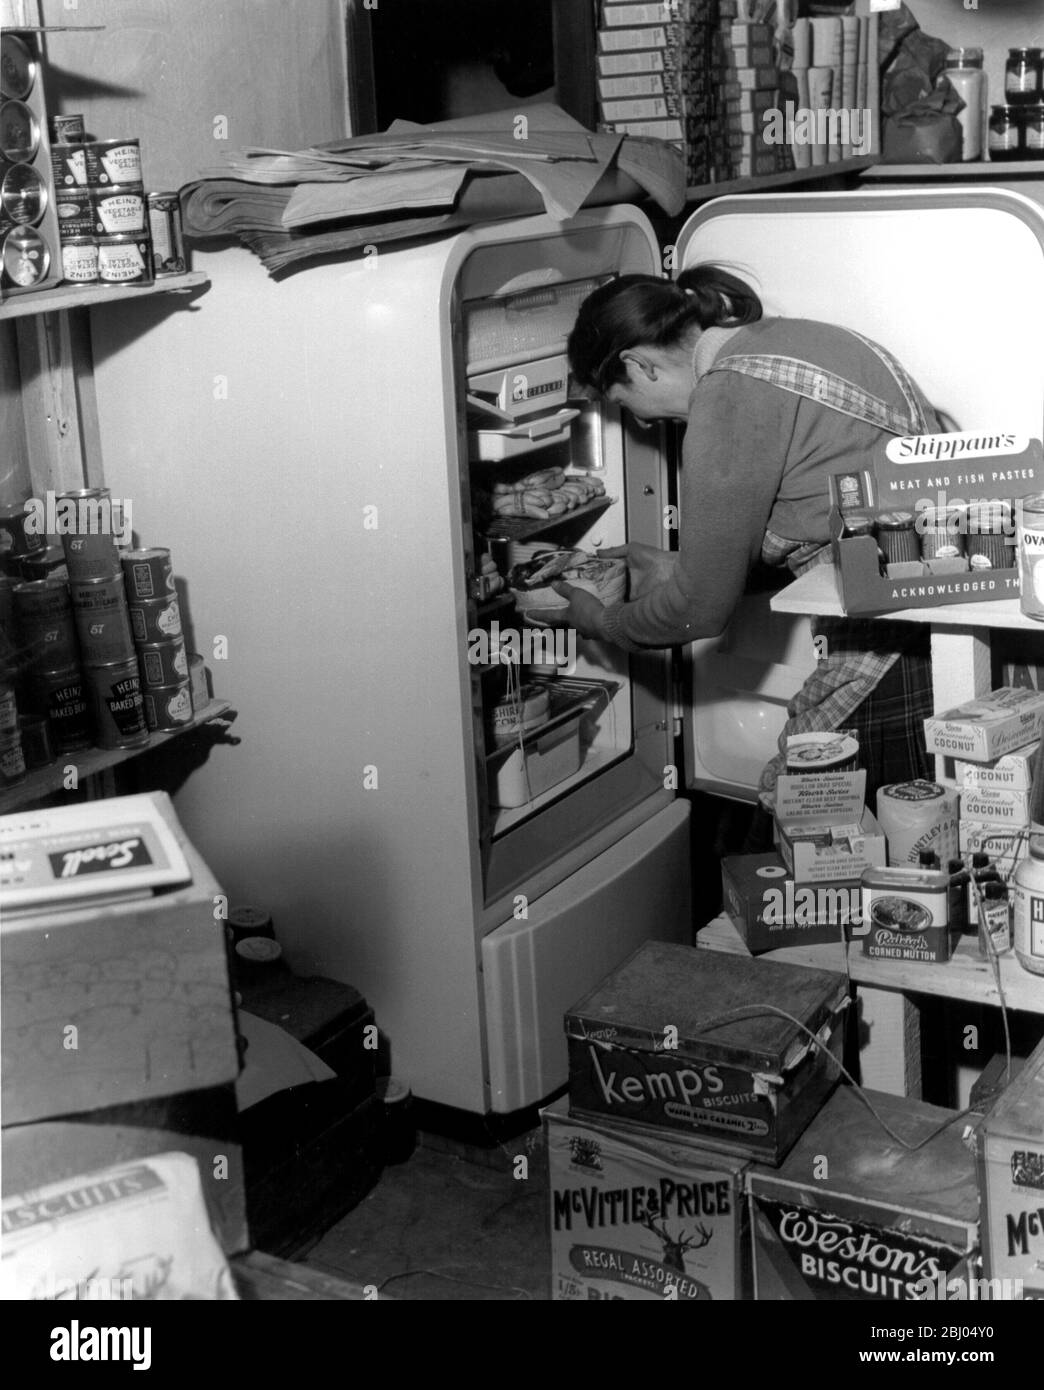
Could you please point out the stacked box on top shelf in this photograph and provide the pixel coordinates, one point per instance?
(748, 86)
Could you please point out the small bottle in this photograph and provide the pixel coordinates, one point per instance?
(964, 73)
(1004, 138)
(958, 900)
(928, 859)
(1022, 76)
(982, 872)
(994, 920)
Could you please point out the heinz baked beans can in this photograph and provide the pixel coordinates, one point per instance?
(119, 710)
(113, 162)
(168, 707)
(118, 211)
(102, 620)
(155, 620)
(163, 663)
(124, 260)
(63, 697)
(149, 573)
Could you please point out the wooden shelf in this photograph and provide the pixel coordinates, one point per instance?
(764, 182)
(64, 296)
(975, 168)
(90, 761)
(816, 594)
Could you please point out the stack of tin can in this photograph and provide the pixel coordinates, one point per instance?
(156, 624)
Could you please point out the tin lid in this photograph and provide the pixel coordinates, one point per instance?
(895, 521)
(259, 950)
(964, 58)
(664, 984)
(152, 552)
(36, 586)
(17, 67)
(19, 132)
(26, 259)
(23, 194)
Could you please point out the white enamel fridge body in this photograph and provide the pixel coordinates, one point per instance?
(951, 281)
(304, 448)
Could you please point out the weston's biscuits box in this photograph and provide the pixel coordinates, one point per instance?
(919, 531)
(826, 832)
(1011, 1176)
(648, 1048)
(853, 1215)
(639, 1218)
(770, 910)
(987, 727)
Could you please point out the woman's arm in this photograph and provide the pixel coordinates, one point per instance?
(735, 450)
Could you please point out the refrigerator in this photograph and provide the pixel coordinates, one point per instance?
(319, 453)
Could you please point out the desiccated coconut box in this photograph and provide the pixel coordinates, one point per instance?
(637, 1218)
(648, 1049)
(987, 727)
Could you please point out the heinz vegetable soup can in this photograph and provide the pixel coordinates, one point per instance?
(1030, 538)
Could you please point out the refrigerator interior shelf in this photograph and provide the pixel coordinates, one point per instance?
(494, 446)
(568, 697)
(520, 528)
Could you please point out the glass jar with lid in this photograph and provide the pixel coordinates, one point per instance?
(965, 75)
(1024, 76)
(1004, 136)
(1033, 132)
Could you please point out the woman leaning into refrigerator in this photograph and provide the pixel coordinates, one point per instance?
(772, 407)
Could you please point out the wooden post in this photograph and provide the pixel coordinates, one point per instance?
(575, 59)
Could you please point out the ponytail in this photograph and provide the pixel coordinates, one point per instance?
(644, 310)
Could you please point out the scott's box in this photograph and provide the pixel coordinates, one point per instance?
(679, 1042)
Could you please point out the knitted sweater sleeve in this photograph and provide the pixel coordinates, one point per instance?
(733, 458)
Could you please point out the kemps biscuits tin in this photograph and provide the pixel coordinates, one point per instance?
(163, 663)
(155, 620)
(641, 1219)
(655, 1048)
(149, 573)
(113, 162)
(63, 697)
(119, 709)
(168, 707)
(102, 620)
(124, 260)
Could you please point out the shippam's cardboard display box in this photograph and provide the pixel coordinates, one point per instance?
(650, 1050)
(827, 834)
(933, 470)
(770, 910)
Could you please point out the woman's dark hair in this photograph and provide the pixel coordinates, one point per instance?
(645, 310)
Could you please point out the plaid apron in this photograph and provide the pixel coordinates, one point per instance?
(859, 652)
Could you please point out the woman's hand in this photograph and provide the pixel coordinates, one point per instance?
(584, 612)
(647, 567)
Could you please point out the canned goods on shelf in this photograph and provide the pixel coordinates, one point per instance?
(119, 211)
(1004, 138)
(199, 683)
(25, 258)
(75, 214)
(113, 162)
(63, 696)
(18, 67)
(19, 133)
(41, 598)
(163, 663)
(168, 707)
(102, 620)
(124, 260)
(51, 642)
(155, 620)
(168, 243)
(12, 760)
(67, 129)
(119, 709)
(69, 166)
(1030, 540)
(85, 516)
(16, 538)
(79, 260)
(37, 748)
(8, 708)
(149, 573)
(23, 195)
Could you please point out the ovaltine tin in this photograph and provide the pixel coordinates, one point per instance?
(119, 709)
(1030, 541)
(79, 260)
(25, 258)
(63, 695)
(149, 574)
(119, 211)
(19, 133)
(15, 536)
(124, 260)
(67, 129)
(102, 621)
(155, 620)
(163, 663)
(69, 166)
(168, 707)
(168, 246)
(113, 161)
(75, 215)
(648, 1047)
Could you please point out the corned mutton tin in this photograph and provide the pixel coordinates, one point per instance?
(113, 162)
(149, 573)
(163, 663)
(125, 260)
(155, 620)
(168, 243)
(168, 707)
(643, 1051)
(63, 696)
(102, 620)
(119, 709)
(906, 914)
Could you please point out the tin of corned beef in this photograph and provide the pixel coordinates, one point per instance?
(79, 260)
(119, 710)
(118, 211)
(63, 695)
(113, 162)
(168, 707)
(163, 663)
(75, 214)
(650, 1048)
(68, 129)
(168, 244)
(155, 620)
(102, 621)
(69, 166)
(124, 260)
(149, 573)
(16, 538)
